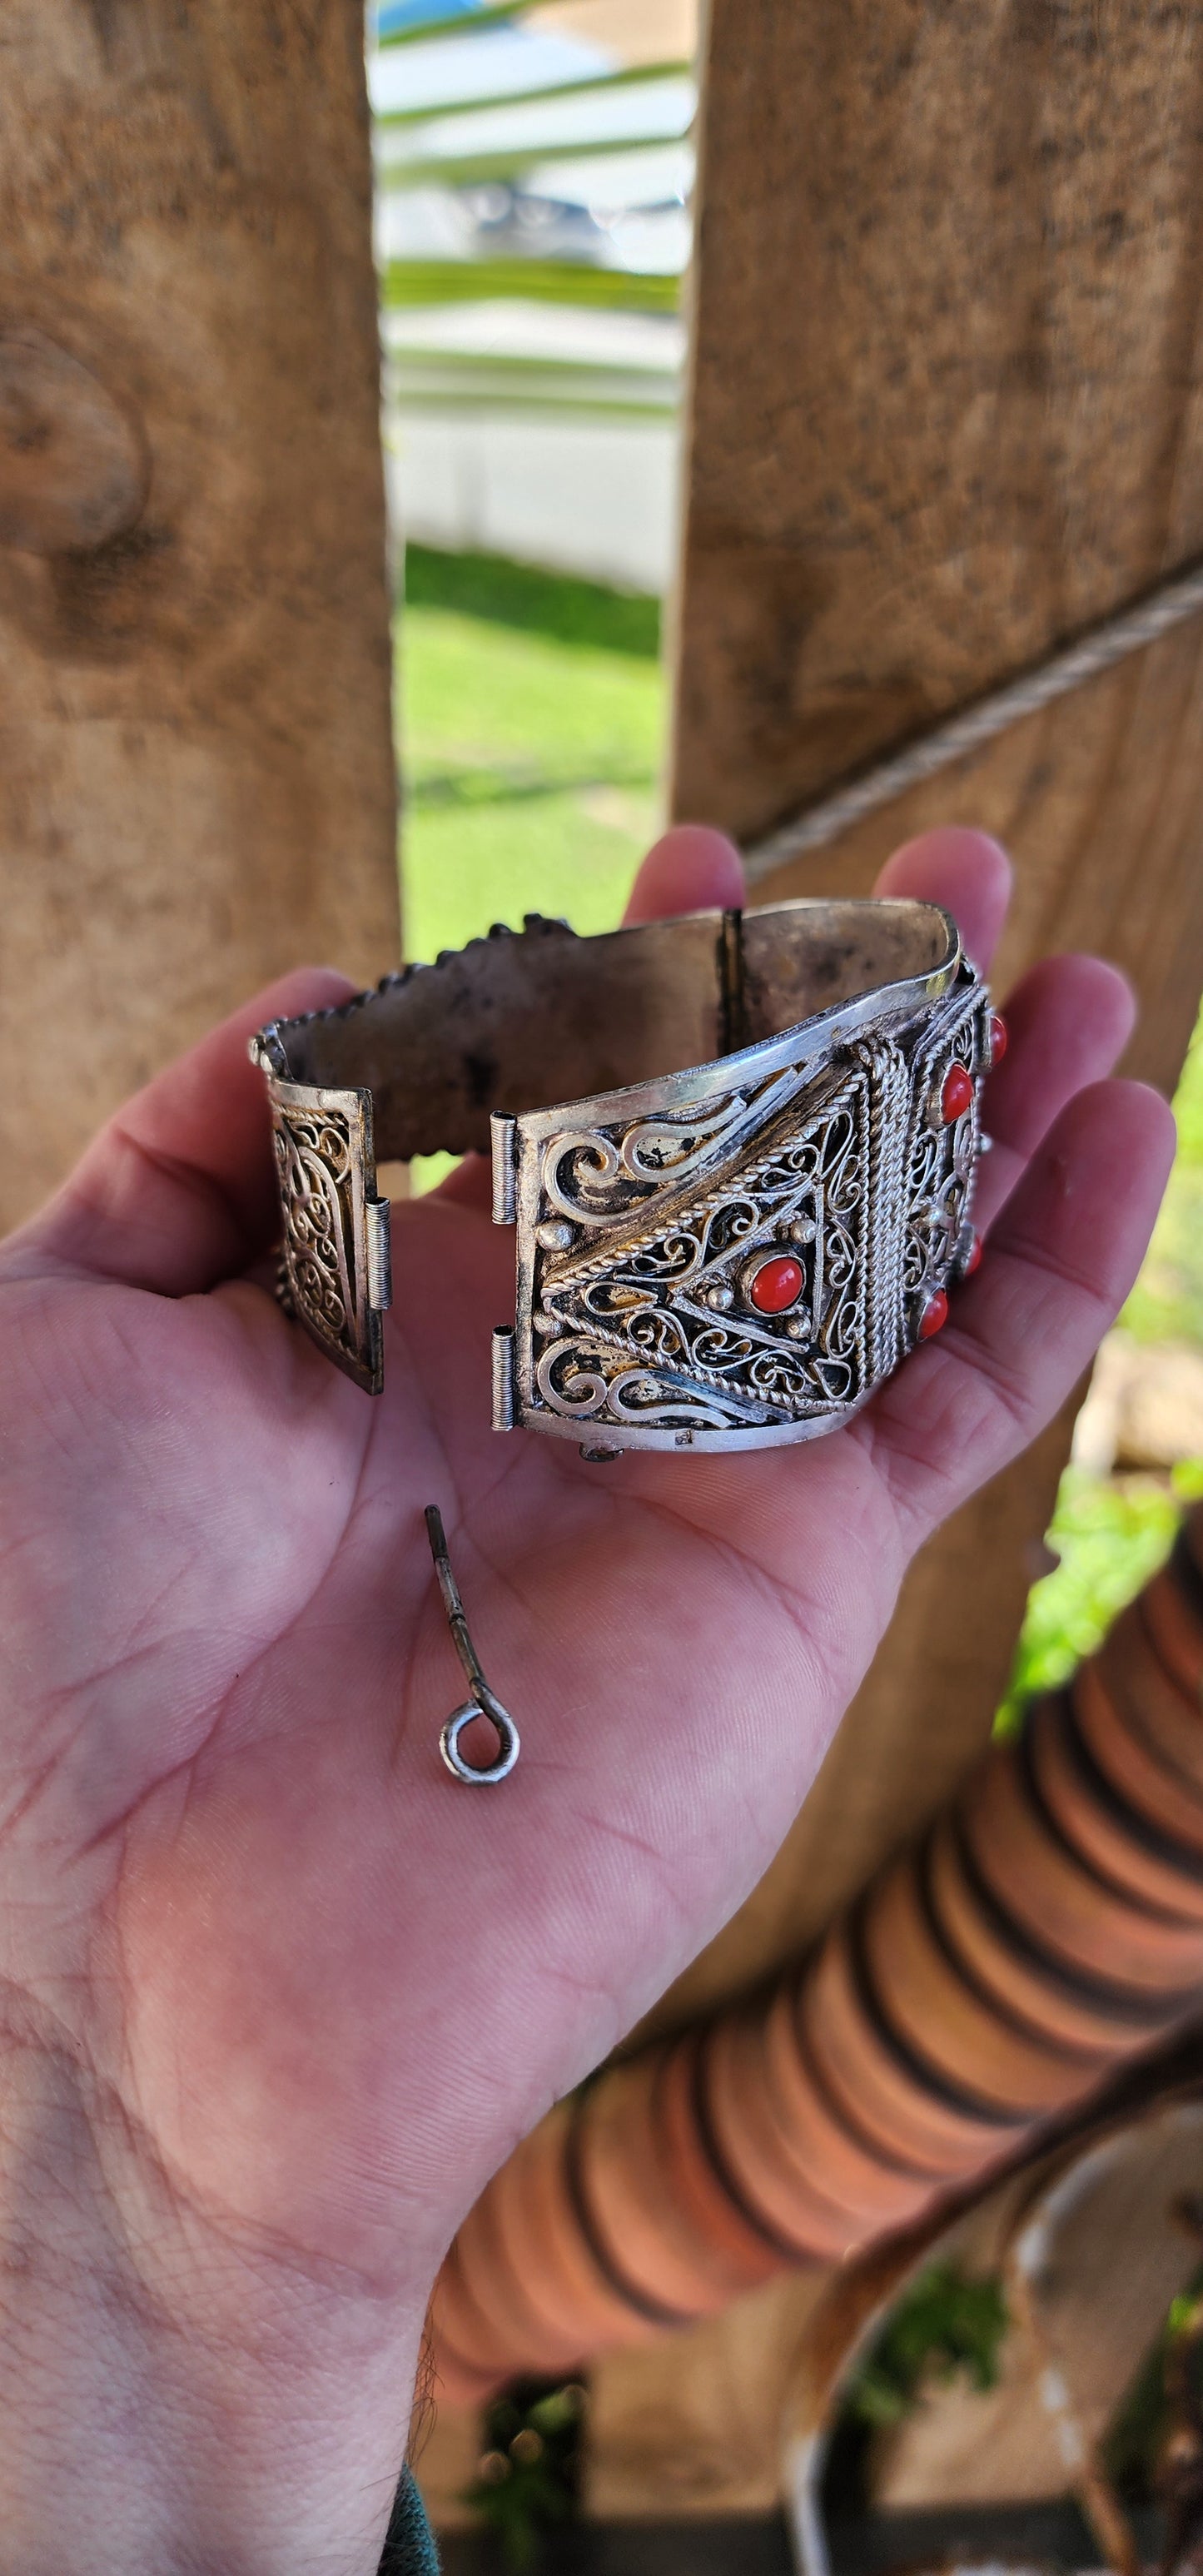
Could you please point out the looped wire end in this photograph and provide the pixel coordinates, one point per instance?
(484, 1705)
(483, 1702)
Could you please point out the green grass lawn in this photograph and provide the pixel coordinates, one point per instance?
(531, 714)
(531, 718)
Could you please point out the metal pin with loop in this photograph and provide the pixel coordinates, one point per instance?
(483, 1702)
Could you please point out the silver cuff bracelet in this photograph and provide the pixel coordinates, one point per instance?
(720, 1257)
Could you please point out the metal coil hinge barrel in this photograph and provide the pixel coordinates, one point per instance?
(379, 1247)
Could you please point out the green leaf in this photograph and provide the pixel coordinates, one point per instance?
(944, 2326)
(1109, 1537)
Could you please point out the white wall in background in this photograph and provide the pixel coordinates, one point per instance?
(590, 497)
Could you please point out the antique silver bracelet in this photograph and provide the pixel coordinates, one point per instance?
(737, 1150)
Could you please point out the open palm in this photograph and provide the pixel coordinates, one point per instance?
(307, 1990)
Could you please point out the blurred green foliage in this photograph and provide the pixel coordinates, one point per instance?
(528, 2475)
(1134, 2441)
(945, 2326)
(1109, 1535)
(525, 596)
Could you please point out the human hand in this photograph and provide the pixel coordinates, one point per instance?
(279, 1995)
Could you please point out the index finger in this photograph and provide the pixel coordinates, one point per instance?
(966, 871)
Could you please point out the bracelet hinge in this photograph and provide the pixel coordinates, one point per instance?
(379, 1249)
(503, 1377)
(504, 1132)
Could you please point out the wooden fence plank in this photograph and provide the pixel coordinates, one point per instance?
(196, 769)
(946, 391)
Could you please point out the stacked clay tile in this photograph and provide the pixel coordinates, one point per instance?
(1048, 1925)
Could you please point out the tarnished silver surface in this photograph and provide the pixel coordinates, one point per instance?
(484, 1702)
(806, 1130)
(335, 1256)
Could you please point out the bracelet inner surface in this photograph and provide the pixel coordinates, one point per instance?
(525, 1020)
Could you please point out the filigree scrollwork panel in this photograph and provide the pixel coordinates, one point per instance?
(944, 1141)
(763, 1258)
(322, 1147)
(313, 1160)
(737, 1304)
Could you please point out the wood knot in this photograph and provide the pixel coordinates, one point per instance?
(73, 466)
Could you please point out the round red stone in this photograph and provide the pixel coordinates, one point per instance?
(972, 1257)
(934, 1314)
(957, 1094)
(998, 1038)
(776, 1285)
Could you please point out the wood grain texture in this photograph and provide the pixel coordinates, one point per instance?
(693, 2426)
(196, 768)
(444, 2452)
(946, 411)
(947, 385)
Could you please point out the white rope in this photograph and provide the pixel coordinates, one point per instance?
(1095, 651)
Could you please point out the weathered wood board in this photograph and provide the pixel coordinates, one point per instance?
(946, 382)
(696, 2422)
(196, 768)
